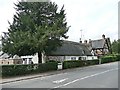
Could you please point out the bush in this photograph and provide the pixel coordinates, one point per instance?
(110, 58)
(118, 57)
(16, 70)
(46, 67)
(71, 64)
(13, 70)
(92, 62)
(79, 63)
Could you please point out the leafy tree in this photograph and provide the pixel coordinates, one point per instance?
(37, 27)
(116, 46)
(119, 46)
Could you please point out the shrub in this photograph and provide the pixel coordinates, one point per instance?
(92, 62)
(118, 57)
(71, 64)
(15, 70)
(46, 67)
(107, 59)
(79, 63)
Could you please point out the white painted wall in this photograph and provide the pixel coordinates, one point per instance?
(65, 58)
(56, 58)
(30, 57)
(35, 58)
(71, 57)
(82, 57)
(89, 57)
(26, 59)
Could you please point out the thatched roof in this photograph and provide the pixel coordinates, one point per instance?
(70, 48)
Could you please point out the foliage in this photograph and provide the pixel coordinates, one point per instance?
(110, 58)
(46, 67)
(17, 70)
(37, 27)
(71, 64)
(91, 62)
(79, 63)
(117, 57)
(116, 46)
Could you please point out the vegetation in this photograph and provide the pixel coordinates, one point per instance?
(116, 46)
(79, 63)
(110, 58)
(37, 27)
(107, 59)
(17, 70)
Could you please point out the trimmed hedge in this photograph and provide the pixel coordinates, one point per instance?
(79, 63)
(14, 70)
(118, 57)
(72, 64)
(45, 67)
(110, 58)
(91, 62)
(17, 70)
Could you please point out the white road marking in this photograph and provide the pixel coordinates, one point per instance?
(41, 78)
(45, 77)
(85, 78)
(59, 81)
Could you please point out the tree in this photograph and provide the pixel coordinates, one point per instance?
(116, 46)
(37, 27)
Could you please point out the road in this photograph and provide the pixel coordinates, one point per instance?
(98, 76)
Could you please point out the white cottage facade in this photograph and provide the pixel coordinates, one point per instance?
(71, 51)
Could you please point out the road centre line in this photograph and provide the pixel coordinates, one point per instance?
(85, 78)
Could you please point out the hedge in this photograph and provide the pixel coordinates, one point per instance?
(79, 63)
(45, 67)
(17, 70)
(110, 58)
(91, 62)
(118, 57)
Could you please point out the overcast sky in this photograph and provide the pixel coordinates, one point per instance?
(93, 17)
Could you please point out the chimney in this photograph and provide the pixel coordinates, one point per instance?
(85, 41)
(103, 36)
(80, 40)
(90, 40)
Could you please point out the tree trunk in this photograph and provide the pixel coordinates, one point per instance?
(39, 57)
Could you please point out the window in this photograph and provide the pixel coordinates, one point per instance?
(83, 58)
(8, 62)
(79, 58)
(24, 60)
(73, 58)
(18, 62)
(30, 60)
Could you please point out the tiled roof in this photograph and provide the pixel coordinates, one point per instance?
(98, 43)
